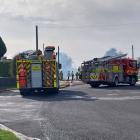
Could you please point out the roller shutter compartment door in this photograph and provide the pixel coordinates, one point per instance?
(36, 75)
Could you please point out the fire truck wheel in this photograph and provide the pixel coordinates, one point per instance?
(23, 93)
(94, 85)
(116, 82)
(55, 91)
(132, 81)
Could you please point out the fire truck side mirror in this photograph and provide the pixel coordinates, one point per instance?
(60, 66)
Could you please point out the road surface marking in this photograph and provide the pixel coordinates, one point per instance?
(93, 98)
(15, 90)
(113, 94)
(107, 98)
(77, 97)
(8, 96)
(120, 98)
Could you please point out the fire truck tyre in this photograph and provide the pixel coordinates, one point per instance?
(132, 81)
(116, 82)
(23, 92)
(94, 85)
(56, 91)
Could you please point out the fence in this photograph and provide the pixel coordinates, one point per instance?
(6, 82)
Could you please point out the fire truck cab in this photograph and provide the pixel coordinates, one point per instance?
(110, 71)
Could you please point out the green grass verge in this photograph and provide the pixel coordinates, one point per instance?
(6, 135)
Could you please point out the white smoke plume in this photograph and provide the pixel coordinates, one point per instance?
(112, 52)
(66, 62)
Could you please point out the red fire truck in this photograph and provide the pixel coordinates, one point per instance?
(110, 71)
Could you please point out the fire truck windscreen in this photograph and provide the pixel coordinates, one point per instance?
(133, 63)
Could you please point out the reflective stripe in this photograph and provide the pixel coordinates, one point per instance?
(17, 84)
(22, 77)
(23, 70)
(49, 73)
(54, 74)
(17, 77)
(55, 83)
(93, 77)
(24, 61)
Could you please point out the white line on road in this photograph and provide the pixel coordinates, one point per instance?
(113, 94)
(15, 90)
(3, 97)
(77, 97)
(120, 98)
(107, 98)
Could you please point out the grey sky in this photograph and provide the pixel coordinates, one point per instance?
(83, 28)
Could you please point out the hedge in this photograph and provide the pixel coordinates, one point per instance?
(6, 68)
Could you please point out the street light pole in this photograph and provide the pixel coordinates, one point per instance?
(132, 52)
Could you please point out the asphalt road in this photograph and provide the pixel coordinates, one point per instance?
(77, 113)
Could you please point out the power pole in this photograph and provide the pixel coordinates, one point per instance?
(58, 54)
(58, 68)
(132, 52)
(36, 38)
(43, 47)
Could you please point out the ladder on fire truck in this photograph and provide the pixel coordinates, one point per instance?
(105, 59)
(109, 58)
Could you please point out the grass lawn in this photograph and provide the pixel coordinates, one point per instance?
(6, 135)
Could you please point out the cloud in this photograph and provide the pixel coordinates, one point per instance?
(84, 13)
(83, 28)
(112, 52)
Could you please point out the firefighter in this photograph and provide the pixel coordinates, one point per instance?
(72, 76)
(77, 75)
(61, 75)
(80, 76)
(68, 75)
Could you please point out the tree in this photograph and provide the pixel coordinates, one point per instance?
(3, 49)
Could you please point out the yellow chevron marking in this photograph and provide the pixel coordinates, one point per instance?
(93, 77)
(18, 84)
(23, 61)
(49, 73)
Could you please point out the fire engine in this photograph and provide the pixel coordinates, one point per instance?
(110, 71)
(37, 72)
